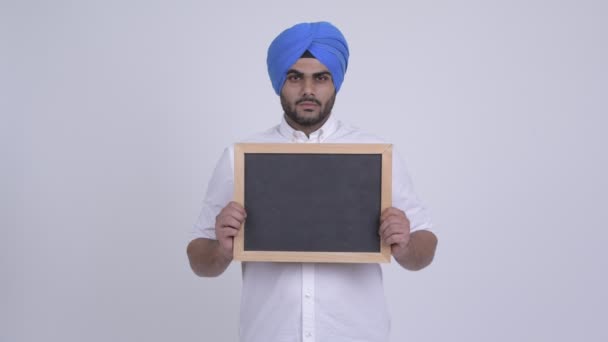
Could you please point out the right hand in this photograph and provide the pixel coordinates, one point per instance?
(227, 225)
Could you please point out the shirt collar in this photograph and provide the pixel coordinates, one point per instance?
(329, 127)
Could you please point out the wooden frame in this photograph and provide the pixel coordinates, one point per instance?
(385, 150)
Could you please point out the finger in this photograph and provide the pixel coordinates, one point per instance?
(230, 212)
(390, 212)
(387, 230)
(392, 220)
(394, 230)
(225, 232)
(231, 222)
(235, 213)
(238, 207)
(396, 239)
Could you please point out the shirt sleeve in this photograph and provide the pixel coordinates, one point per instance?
(405, 198)
(219, 193)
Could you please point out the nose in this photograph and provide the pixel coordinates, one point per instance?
(308, 87)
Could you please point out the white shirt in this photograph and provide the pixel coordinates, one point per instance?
(310, 302)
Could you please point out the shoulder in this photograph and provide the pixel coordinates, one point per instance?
(268, 136)
(348, 133)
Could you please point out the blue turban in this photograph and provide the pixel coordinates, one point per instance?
(322, 40)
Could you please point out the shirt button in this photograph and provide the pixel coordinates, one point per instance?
(307, 295)
(308, 334)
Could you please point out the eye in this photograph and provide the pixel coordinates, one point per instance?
(293, 77)
(323, 78)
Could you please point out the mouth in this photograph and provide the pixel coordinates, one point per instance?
(307, 104)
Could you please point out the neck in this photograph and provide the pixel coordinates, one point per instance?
(305, 128)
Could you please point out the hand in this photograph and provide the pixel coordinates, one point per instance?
(395, 230)
(227, 225)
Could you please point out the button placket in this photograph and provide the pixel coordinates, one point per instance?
(308, 302)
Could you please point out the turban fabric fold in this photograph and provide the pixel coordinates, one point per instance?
(323, 40)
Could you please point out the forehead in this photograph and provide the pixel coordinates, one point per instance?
(309, 66)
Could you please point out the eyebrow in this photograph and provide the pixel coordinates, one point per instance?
(316, 74)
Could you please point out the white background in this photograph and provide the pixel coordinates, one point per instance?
(113, 114)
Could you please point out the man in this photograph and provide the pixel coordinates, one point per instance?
(307, 301)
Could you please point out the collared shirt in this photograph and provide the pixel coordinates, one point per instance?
(310, 302)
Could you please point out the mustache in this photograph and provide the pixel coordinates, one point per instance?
(308, 99)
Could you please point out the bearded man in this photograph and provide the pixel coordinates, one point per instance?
(310, 301)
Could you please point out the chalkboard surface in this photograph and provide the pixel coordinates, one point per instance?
(312, 202)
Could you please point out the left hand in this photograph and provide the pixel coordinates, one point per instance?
(395, 230)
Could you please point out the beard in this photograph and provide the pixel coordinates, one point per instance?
(307, 121)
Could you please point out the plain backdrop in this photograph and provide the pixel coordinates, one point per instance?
(113, 114)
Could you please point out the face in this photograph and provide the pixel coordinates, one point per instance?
(308, 95)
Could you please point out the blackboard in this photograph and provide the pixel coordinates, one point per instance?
(312, 202)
